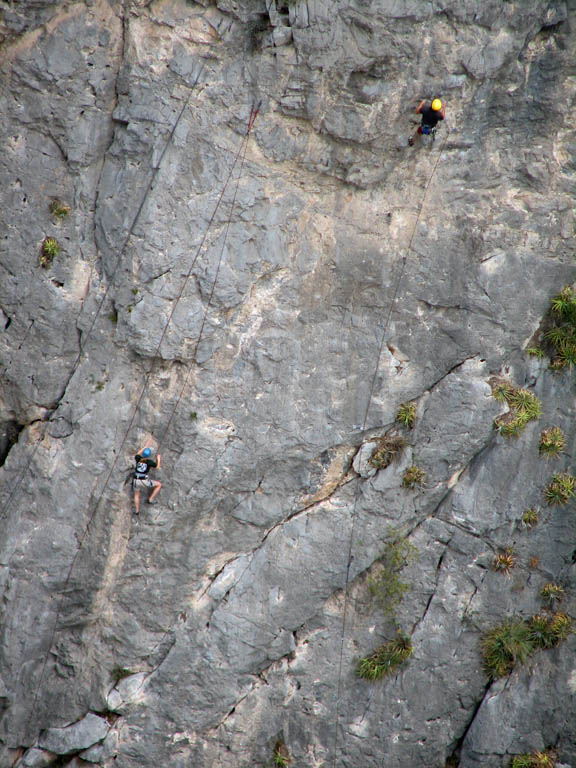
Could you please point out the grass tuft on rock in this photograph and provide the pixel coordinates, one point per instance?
(552, 593)
(386, 659)
(552, 443)
(504, 561)
(59, 209)
(561, 489)
(413, 477)
(535, 759)
(560, 338)
(524, 407)
(407, 414)
(389, 449)
(561, 626)
(49, 249)
(513, 642)
(541, 634)
(281, 755)
(505, 646)
(530, 518)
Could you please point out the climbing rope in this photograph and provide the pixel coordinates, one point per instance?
(253, 115)
(86, 336)
(241, 152)
(364, 422)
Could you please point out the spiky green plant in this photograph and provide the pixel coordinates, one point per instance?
(530, 518)
(505, 646)
(389, 449)
(526, 403)
(502, 390)
(413, 476)
(504, 561)
(524, 407)
(280, 756)
(567, 355)
(552, 442)
(385, 659)
(515, 640)
(509, 424)
(49, 250)
(560, 489)
(561, 335)
(558, 364)
(558, 337)
(561, 625)
(407, 414)
(541, 634)
(552, 593)
(535, 352)
(564, 304)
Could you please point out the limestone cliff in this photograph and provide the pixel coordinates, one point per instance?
(216, 240)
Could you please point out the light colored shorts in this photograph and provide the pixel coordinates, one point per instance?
(145, 482)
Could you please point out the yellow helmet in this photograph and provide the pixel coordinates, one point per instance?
(436, 105)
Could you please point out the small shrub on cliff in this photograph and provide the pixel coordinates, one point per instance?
(413, 476)
(502, 389)
(561, 626)
(407, 414)
(524, 407)
(385, 585)
(385, 659)
(505, 646)
(504, 561)
(526, 404)
(541, 634)
(534, 760)
(552, 442)
(552, 593)
(560, 338)
(389, 449)
(281, 756)
(49, 249)
(59, 209)
(515, 640)
(530, 518)
(561, 488)
(550, 631)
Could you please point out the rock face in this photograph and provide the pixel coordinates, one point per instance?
(253, 273)
(77, 736)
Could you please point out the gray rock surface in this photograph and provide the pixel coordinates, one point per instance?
(76, 736)
(37, 758)
(258, 310)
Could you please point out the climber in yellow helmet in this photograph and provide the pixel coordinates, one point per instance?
(431, 116)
